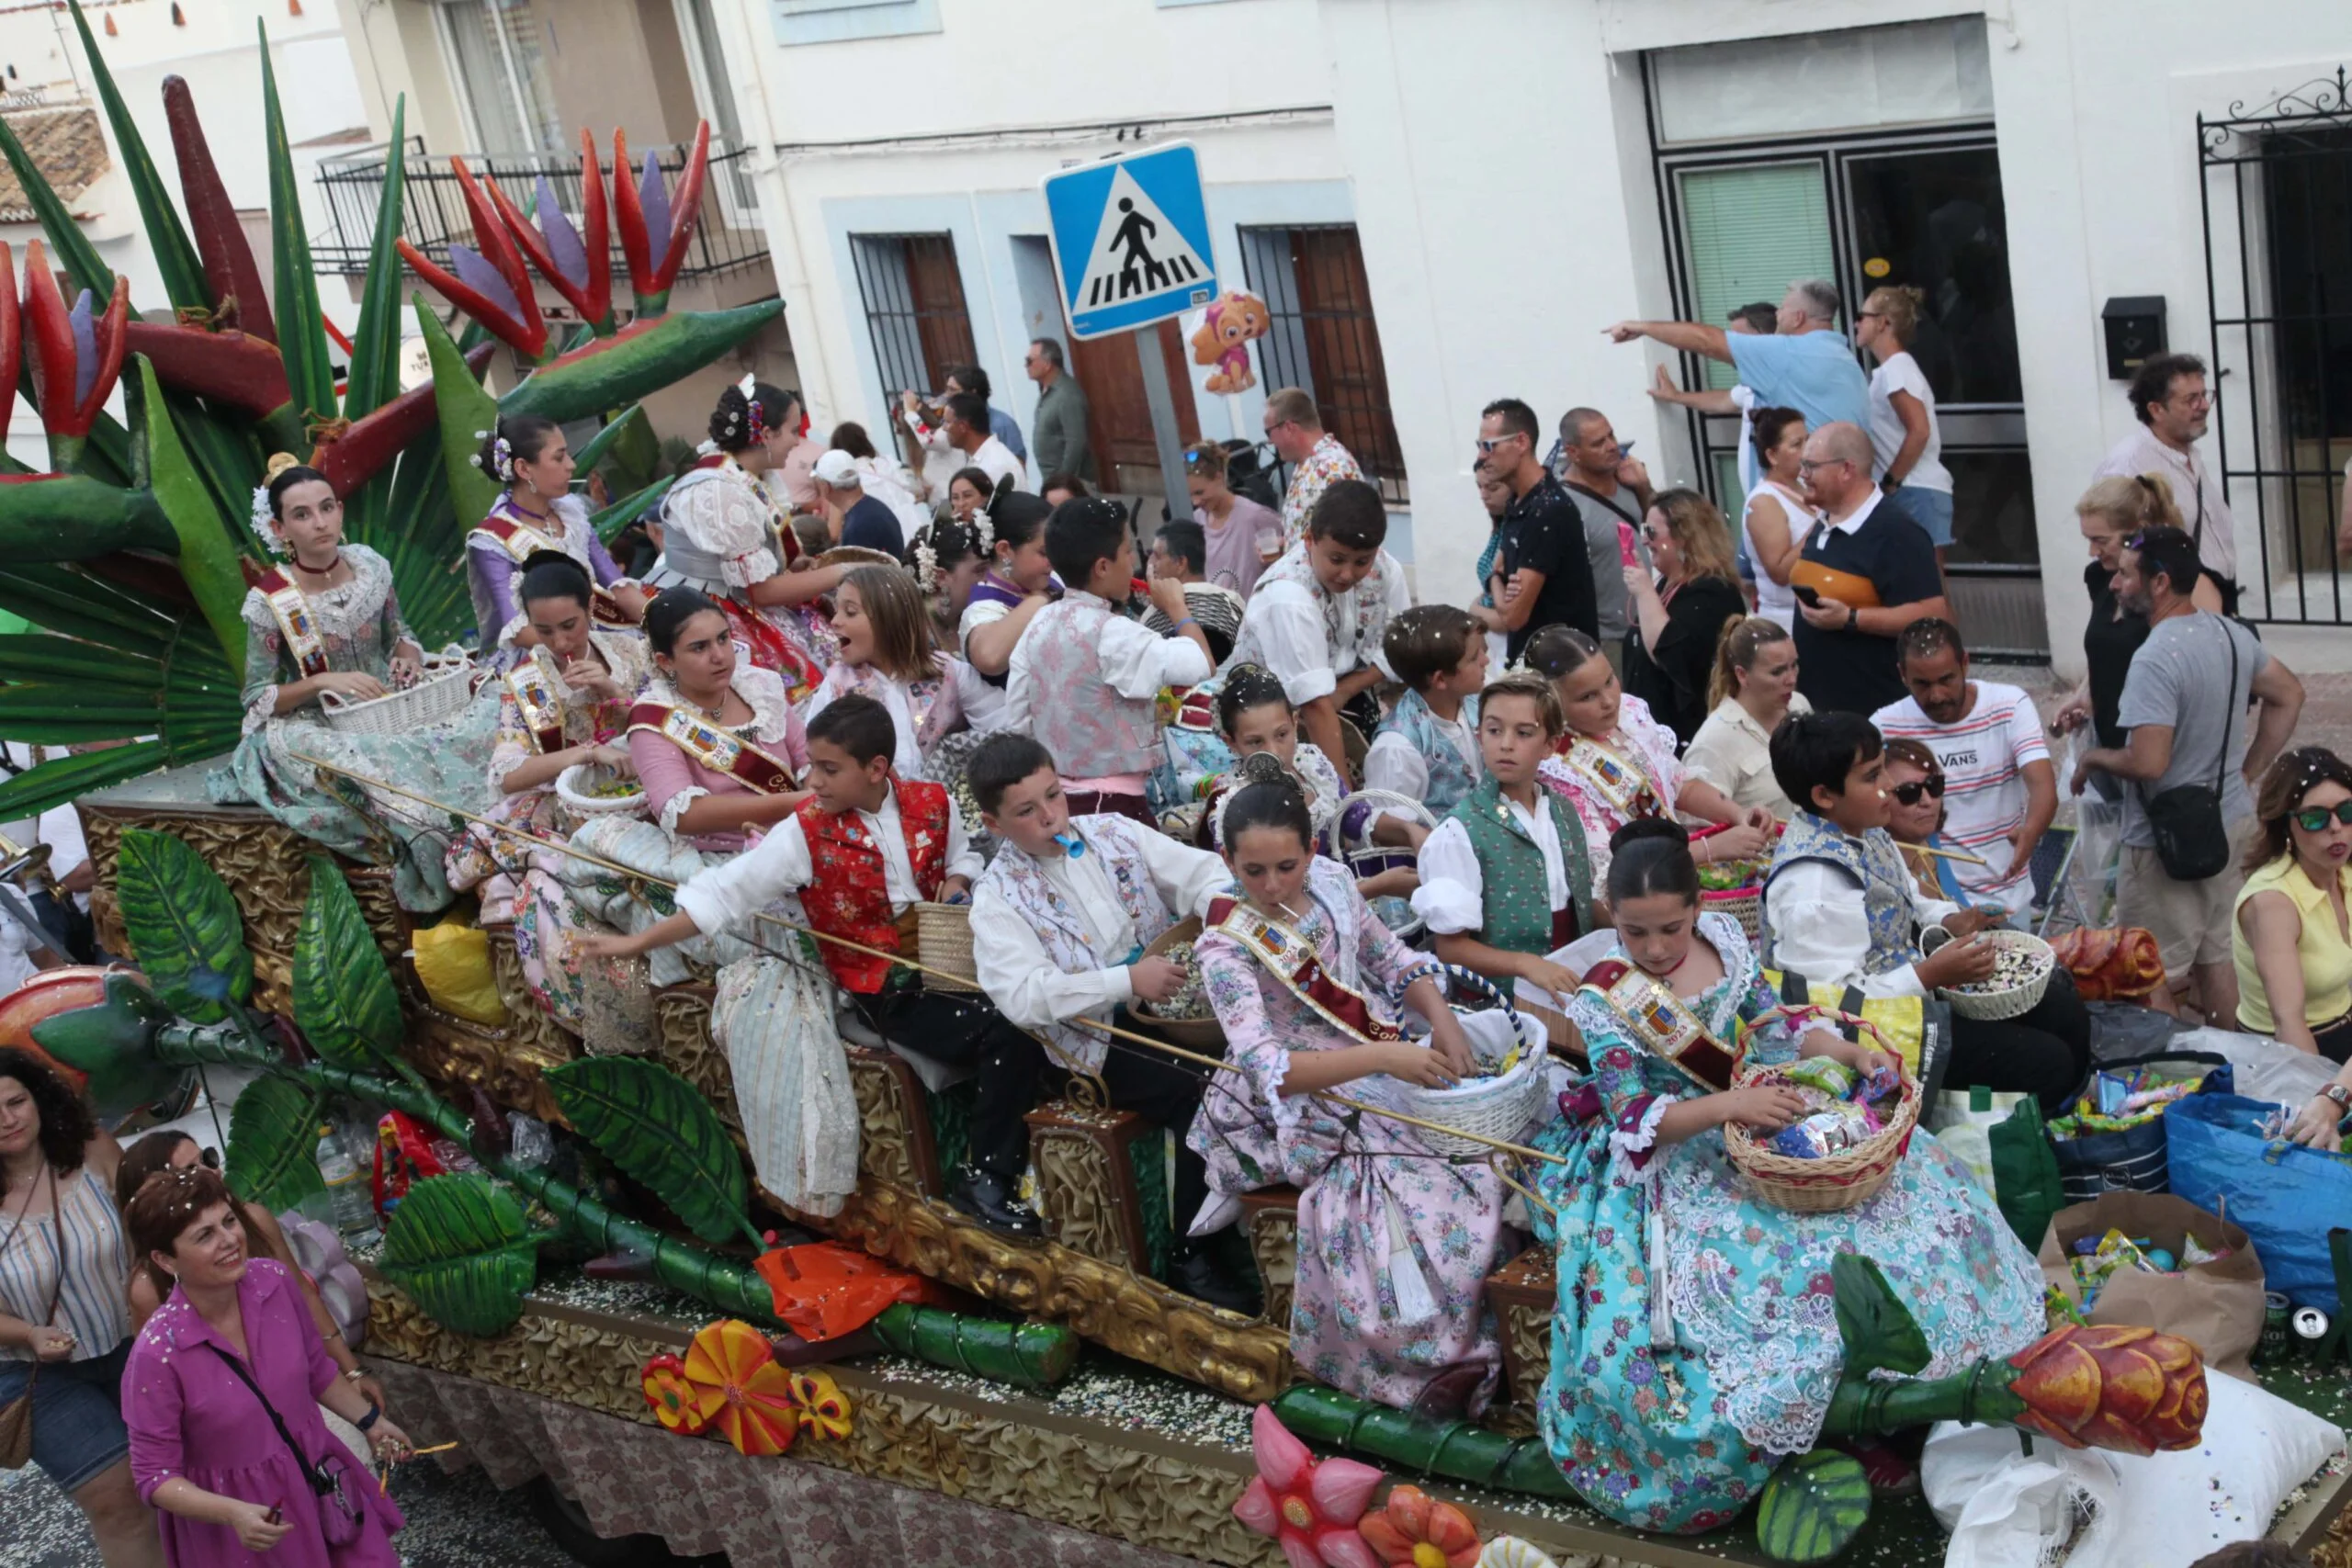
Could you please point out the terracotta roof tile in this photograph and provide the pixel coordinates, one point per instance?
(67, 145)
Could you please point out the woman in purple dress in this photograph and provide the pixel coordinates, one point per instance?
(223, 1396)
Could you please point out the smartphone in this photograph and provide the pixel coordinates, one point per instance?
(1810, 597)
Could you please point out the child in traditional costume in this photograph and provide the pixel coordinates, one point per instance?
(1018, 583)
(1841, 907)
(1428, 748)
(535, 512)
(1254, 717)
(861, 852)
(325, 619)
(1694, 1346)
(1505, 880)
(1060, 920)
(723, 537)
(1616, 762)
(1393, 1242)
(886, 653)
(1085, 680)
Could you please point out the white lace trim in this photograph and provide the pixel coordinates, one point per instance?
(341, 611)
(1641, 1139)
(676, 807)
(722, 514)
(762, 690)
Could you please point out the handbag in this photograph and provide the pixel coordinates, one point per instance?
(2193, 841)
(343, 1508)
(17, 1416)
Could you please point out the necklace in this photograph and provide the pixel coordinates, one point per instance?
(326, 570)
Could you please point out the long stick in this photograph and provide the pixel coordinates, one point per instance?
(1162, 1046)
(1922, 849)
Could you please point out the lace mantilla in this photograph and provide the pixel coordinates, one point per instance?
(723, 513)
(770, 707)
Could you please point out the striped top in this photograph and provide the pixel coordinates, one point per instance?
(95, 1305)
(1983, 756)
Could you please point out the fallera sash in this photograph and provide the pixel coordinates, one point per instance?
(533, 693)
(294, 621)
(1624, 784)
(521, 540)
(1652, 1013)
(715, 747)
(1290, 959)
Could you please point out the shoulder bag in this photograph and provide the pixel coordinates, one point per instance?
(17, 1416)
(2192, 839)
(342, 1510)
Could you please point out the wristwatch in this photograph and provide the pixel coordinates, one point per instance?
(1853, 617)
(2338, 1093)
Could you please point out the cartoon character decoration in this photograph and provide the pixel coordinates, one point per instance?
(1227, 327)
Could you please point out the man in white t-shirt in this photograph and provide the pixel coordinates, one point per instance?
(968, 432)
(2000, 789)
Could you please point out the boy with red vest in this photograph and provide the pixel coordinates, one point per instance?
(1084, 679)
(861, 854)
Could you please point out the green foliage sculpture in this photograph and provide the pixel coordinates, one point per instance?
(131, 551)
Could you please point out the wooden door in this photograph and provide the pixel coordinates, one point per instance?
(1119, 418)
(1343, 350)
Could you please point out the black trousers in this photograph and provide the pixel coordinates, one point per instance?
(2045, 1052)
(1166, 1093)
(960, 1031)
(2334, 1042)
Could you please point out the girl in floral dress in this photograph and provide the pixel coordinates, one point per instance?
(1695, 1346)
(325, 619)
(886, 653)
(1616, 762)
(1395, 1242)
(535, 512)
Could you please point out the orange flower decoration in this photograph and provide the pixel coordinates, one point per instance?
(824, 1408)
(1415, 1530)
(672, 1398)
(2130, 1390)
(739, 1389)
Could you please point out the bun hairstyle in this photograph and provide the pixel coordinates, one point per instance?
(1267, 802)
(668, 616)
(1900, 304)
(285, 473)
(748, 412)
(2129, 502)
(1247, 686)
(516, 438)
(1015, 516)
(1650, 856)
(1559, 651)
(1768, 424)
(551, 574)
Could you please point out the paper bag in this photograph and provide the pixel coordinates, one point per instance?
(2215, 1307)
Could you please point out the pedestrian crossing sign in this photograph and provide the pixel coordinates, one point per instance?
(1131, 240)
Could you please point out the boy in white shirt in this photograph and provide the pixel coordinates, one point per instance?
(1428, 748)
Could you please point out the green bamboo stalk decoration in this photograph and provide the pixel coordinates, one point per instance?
(1029, 1355)
(1459, 1451)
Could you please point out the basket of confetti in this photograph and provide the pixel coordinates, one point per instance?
(1503, 1095)
(1734, 887)
(2022, 964)
(1846, 1147)
(593, 789)
(943, 946)
(1185, 1019)
(441, 696)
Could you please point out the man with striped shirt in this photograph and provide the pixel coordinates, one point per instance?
(2000, 790)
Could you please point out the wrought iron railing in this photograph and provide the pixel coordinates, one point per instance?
(729, 239)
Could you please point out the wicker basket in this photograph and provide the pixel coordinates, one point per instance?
(1842, 1181)
(443, 694)
(944, 946)
(1992, 1007)
(1203, 1033)
(572, 785)
(1486, 1109)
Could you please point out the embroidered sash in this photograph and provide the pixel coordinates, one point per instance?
(521, 540)
(1662, 1021)
(533, 693)
(1623, 785)
(1290, 959)
(718, 748)
(294, 621)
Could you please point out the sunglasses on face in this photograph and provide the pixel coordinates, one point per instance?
(2317, 818)
(1488, 443)
(1932, 788)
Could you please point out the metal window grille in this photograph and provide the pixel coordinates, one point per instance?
(1325, 340)
(913, 298)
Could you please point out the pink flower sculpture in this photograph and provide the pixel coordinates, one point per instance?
(1311, 1509)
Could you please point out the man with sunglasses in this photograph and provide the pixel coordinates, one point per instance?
(1543, 571)
(1994, 773)
(2170, 400)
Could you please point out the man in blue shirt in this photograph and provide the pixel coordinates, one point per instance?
(1807, 366)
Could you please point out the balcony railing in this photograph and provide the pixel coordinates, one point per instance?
(729, 239)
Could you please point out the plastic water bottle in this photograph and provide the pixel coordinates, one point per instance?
(349, 1208)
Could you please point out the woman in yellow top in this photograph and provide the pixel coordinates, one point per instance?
(2292, 938)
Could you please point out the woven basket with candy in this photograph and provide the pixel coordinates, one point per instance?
(1848, 1142)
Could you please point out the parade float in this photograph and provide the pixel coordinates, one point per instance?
(621, 1314)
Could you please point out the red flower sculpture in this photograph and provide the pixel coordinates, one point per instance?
(1311, 1509)
(656, 225)
(490, 284)
(671, 1397)
(77, 357)
(741, 1389)
(2130, 1390)
(1415, 1530)
(578, 263)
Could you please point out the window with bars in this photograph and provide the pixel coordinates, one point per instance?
(913, 298)
(495, 50)
(1323, 339)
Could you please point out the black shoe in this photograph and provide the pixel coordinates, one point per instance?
(1199, 1275)
(989, 1199)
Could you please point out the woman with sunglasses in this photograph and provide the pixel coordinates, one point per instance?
(1680, 614)
(1915, 794)
(2292, 939)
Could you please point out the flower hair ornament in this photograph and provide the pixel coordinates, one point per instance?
(749, 387)
(926, 565)
(264, 518)
(502, 457)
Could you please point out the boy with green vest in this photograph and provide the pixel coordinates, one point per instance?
(1505, 880)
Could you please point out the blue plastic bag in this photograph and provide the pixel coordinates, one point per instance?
(2284, 1197)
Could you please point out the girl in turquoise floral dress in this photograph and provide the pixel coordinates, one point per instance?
(1695, 1344)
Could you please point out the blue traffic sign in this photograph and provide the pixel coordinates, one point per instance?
(1131, 240)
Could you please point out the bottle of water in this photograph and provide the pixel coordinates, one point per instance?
(348, 1203)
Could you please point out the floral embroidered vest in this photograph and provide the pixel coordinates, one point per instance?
(1061, 927)
(1516, 892)
(1452, 775)
(1875, 864)
(1093, 731)
(847, 895)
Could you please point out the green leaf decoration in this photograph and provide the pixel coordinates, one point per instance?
(464, 410)
(632, 419)
(375, 347)
(1812, 1507)
(343, 996)
(175, 257)
(301, 324)
(459, 1245)
(1878, 1329)
(659, 1129)
(184, 926)
(208, 560)
(610, 522)
(273, 1144)
(114, 1043)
